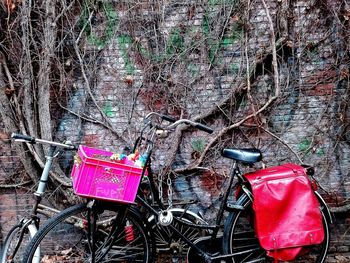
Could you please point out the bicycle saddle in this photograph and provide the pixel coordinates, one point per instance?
(246, 156)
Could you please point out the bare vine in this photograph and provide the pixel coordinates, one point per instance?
(165, 59)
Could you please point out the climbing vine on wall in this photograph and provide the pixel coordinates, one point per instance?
(100, 22)
(245, 67)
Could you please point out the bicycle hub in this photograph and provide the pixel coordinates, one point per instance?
(165, 218)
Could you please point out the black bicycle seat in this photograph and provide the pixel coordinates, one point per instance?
(246, 156)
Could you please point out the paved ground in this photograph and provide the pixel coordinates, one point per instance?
(331, 258)
(338, 258)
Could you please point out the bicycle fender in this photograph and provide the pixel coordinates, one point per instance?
(136, 211)
(325, 207)
(32, 231)
(207, 244)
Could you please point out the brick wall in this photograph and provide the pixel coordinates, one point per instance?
(133, 79)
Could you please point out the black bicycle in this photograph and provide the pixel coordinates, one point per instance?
(105, 231)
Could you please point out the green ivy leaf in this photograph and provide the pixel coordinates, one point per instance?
(304, 145)
(198, 145)
(320, 152)
(108, 109)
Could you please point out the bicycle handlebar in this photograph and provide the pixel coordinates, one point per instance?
(32, 140)
(162, 116)
(168, 118)
(191, 123)
(204, 128)
(175, 122)
(23, 138)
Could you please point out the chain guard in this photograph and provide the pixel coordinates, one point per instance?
(213, 247)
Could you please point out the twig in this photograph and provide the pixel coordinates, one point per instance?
(15, 185)
(218, 108)
(107, 123)
(55, 176)
(65, 8)
(175, 145)
(283, 142)
(340, 209)
(254, 114)
(223, 132)
(87, 86)
(274, 50)
(83, 117)
(249, 94)
(83, 29)
(239, 87)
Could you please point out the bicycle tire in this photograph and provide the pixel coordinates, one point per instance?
(11, 237)
(239, 236)
(64, 237)
(14, 239)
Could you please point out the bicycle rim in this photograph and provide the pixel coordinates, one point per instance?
(15, 242)
(239, 237)
(68, 236)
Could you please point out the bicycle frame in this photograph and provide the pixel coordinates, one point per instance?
(160, 207)
(215, 228)
(226, 205)
(155, 194)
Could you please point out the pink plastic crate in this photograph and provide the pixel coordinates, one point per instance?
(95, 176)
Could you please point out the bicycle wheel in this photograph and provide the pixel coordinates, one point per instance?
(16, 240)
(239, 237)
(70, 235)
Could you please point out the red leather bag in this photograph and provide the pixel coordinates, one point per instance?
(287, 214)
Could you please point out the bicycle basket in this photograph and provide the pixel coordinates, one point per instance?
(94, 175)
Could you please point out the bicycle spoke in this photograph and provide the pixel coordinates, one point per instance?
(62, 241)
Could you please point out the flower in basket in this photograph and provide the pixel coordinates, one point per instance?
(133, 159)
(77, 160)
(117, 157)
(141, 162)
(114, 157)
(134, 156)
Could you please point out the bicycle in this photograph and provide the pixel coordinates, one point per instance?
(27, 227)
(135, 228)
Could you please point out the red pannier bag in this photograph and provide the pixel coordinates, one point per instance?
(287, 212)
